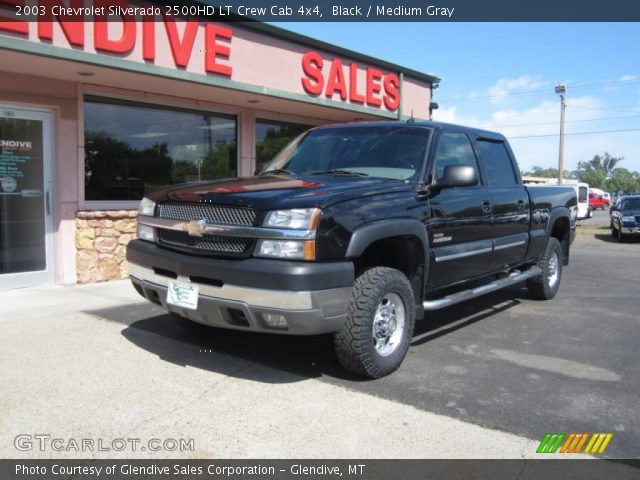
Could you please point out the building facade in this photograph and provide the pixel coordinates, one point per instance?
(96, 110)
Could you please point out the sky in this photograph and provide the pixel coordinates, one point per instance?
(501, 76)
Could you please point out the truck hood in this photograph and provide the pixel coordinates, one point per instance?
(281, 191)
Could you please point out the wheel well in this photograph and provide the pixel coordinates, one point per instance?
(404, 253)
(561, 231)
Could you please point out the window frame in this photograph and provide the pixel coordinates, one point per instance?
(501, 141)
(476, 157)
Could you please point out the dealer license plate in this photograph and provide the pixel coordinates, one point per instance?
(183, 295)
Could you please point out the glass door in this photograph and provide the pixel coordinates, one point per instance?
(26, 217)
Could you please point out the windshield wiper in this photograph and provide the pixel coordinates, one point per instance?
(337, 171)
(280, 170)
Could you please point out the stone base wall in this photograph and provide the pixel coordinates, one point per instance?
(101, 243)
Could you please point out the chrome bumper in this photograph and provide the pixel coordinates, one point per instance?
(244, 308)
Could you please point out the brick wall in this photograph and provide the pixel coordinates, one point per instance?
(101, 243)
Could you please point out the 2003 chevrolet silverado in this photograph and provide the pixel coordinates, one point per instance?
(356, 230)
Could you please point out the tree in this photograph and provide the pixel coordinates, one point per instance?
(596, 171)
(623, 181)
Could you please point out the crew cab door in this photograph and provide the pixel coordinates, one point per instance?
(511, 208)
(459, 229)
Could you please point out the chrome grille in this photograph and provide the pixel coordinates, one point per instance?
(211, 244)
(216, 214)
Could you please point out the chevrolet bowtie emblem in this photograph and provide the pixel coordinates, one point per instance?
(195, 228)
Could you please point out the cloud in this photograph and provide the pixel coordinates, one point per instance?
(627, 78)
(509, 86)
(533, 131)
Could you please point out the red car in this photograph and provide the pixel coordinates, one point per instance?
(598, 201)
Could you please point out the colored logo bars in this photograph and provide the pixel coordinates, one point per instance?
(573, 442)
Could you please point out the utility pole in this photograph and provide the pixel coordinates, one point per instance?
(561, 90)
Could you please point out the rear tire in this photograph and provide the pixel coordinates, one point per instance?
(545, 285)
(375, 337)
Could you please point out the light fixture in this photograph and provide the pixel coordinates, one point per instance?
(253, 100)
(86, 73)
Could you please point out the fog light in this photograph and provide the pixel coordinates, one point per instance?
(145, 232)
(275, 320)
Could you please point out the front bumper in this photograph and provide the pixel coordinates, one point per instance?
(311, 297)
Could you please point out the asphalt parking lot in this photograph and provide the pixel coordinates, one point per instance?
(504, 363)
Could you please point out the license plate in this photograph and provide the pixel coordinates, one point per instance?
(183, 295)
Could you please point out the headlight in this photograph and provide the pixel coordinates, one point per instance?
(630, 219)
(294, 249)
(297, 219)
(147, 207)
(145, 232)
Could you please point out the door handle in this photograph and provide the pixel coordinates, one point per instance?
(486, 206)
(47, 203)
(520, 204)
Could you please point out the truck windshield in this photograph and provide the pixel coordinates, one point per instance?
(631, 204)
(393, 152)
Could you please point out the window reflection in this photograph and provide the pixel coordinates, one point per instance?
(132, 149)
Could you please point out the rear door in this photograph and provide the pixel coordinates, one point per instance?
(460, 231)
(511, 209)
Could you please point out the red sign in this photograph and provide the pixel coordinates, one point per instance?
(380, 88)
(217, 39)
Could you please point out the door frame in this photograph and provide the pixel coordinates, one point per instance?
(47, 117)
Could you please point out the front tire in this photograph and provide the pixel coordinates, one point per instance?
(375, 337)
(545, 285)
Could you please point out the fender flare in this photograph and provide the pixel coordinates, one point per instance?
(369, 233)
(557, 213)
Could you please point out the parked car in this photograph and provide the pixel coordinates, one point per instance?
(599, 199)
(625, 217)
(354, 230)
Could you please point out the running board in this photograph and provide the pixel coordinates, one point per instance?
(476, 292)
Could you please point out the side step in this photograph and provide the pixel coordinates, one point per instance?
(476, 292)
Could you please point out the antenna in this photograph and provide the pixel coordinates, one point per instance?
(411, 120)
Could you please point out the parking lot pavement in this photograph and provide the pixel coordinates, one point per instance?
(92, 363)
(485, 379)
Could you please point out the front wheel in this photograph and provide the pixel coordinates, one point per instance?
(375, 337)
(545, 285)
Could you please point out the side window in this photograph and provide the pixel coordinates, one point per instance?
(582, 194)
(454, 149)
(497, 163)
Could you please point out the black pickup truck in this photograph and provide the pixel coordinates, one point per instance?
(356, 230)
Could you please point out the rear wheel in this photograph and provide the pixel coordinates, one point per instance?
(376, 335)
(545, 285)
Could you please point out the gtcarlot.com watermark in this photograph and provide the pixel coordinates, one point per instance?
(45, 442)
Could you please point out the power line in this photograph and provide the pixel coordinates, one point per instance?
(609, 109)
(567, 121)
(579, 133)
(584, 86)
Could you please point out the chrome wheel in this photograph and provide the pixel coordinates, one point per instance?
(388, 324)
(553, 270)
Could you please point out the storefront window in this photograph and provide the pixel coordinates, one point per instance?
(132, 149)
(271, 137)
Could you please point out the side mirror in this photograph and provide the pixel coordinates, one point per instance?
(458, 176)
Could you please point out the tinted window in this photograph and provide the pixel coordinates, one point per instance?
(271, 137)
(497, 163)
(385, 152)
(133, 148)
(631, 204)
(582, 194)
(454, 149)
